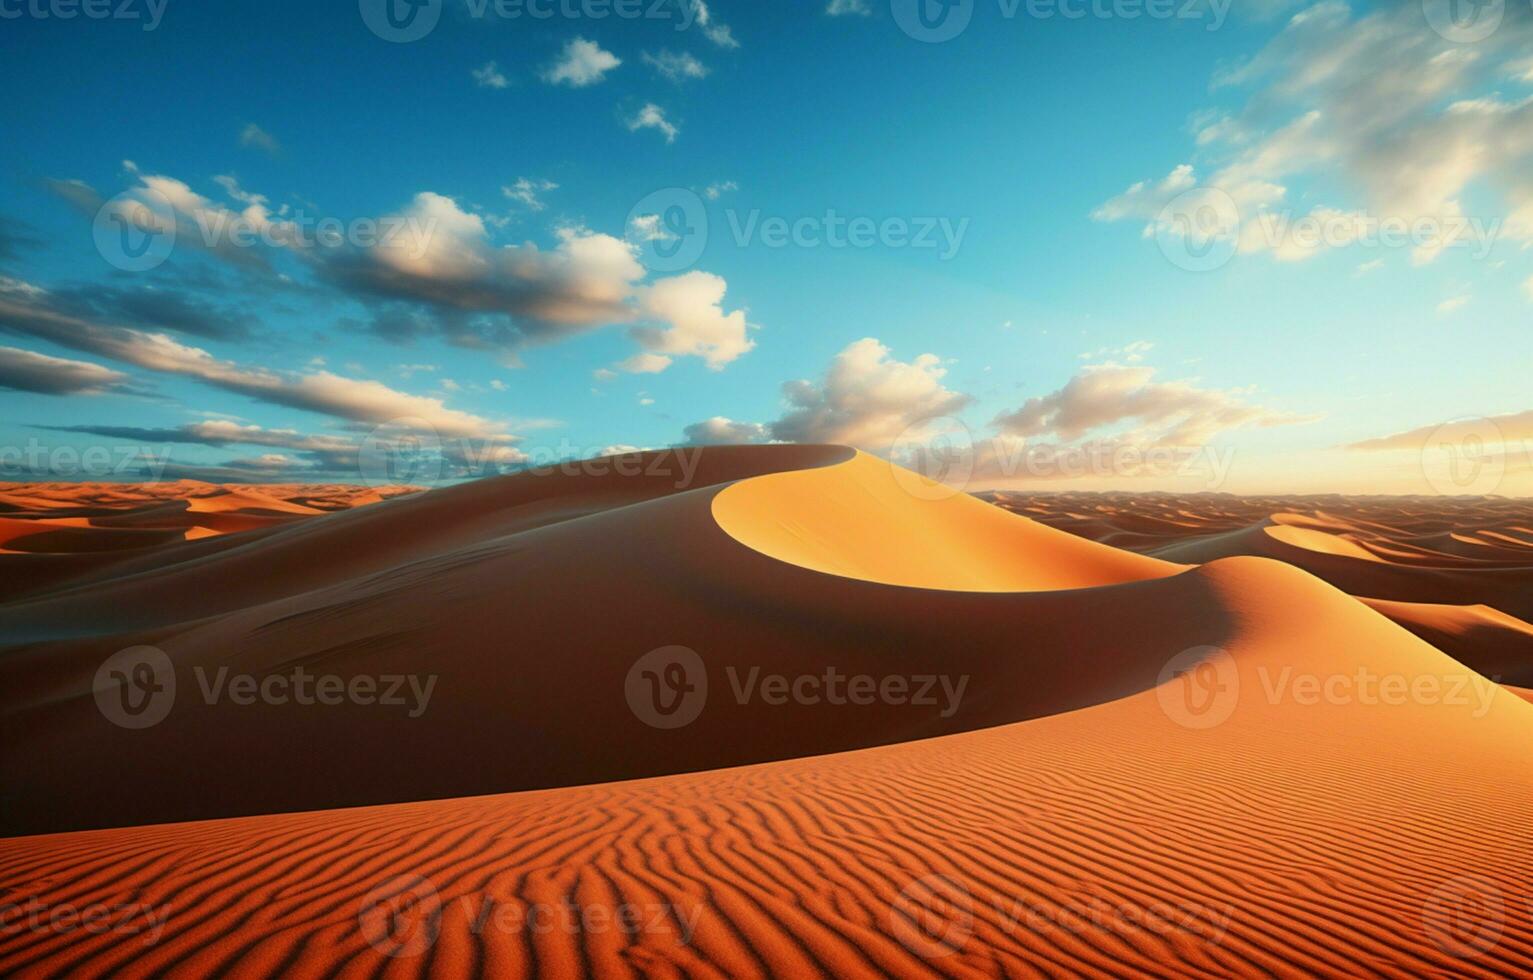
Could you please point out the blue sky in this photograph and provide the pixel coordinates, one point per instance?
(1052, 159)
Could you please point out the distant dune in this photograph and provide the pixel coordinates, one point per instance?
(1160, 760)
(1457, 572)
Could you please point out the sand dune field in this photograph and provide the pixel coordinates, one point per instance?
(775, 710)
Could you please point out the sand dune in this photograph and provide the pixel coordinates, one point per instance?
(1151, 767)
(1457, 572)
(1109, 840)
(86, 528)
(481, 581)
(856, 520)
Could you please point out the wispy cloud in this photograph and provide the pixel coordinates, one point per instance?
(676, 66)
(254, 136)
(652, 116)
(488, 75)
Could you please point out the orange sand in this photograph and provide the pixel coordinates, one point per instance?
(1087, 810)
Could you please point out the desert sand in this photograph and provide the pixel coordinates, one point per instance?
(1457, 572)
(1136, 780)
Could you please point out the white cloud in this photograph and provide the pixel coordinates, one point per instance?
(1452, 305)
(1379, 102)
(843, 8)
(1162, 413)
(449, 263)
(652, 116)
(1130, 353)
(254, 136)
(645, 363)
(718, 33)
(439, 273)
(691, 306)
(721, 431)
(1364, 268)
(1512, 428)
(721, 35)
(867, 399)
(1145, 199)
(718, 189)
(360, 401)
(526, 190)
(488, 75)
(676, 66)
(582, 63)
(646, 228)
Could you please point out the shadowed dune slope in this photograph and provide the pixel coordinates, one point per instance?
(1290, 839)
(524, 602)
